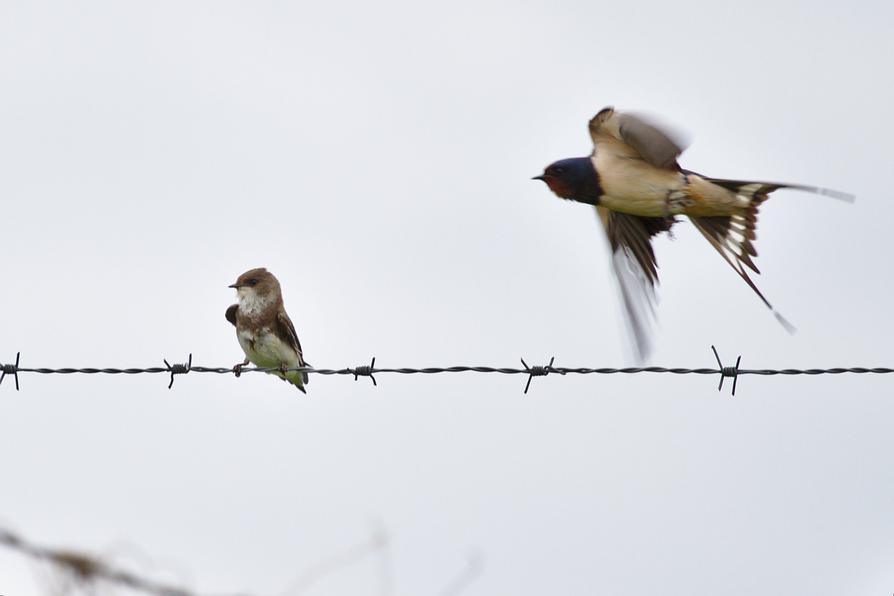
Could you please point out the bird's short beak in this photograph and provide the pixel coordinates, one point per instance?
(540, 177)
(234, 286)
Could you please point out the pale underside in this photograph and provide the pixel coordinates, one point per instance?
(634, 186)
(265, 349)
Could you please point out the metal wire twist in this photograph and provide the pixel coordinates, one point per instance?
(369, 370)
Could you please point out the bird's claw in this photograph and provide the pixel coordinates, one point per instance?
(237, 369)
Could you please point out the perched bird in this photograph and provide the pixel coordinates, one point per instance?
(634, 181)
(264, 330)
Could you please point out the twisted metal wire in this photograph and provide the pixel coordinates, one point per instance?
(370, 370)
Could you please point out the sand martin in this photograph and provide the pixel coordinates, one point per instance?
(264, 330)
(633, 179)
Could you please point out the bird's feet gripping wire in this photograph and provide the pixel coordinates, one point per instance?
(237, 368)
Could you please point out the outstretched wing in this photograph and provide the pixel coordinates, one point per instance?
(636, 270)
(654, 145)
(287, 331)
(231, 313)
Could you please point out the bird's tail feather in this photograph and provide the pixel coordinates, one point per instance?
(733, 235)
(298, 379)
(749, 188)
(727, 237)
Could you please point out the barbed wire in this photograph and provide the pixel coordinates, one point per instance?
(369, 370)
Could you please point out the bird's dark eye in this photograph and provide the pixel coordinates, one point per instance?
(252, 282)
(559, 170)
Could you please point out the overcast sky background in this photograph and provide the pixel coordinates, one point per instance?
(377, 158)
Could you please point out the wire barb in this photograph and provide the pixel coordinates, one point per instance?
(529, 371)
(11, 369)
(365, 371)
(178, 369)
(727, 371)
(539, 371)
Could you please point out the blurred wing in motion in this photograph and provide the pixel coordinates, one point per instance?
(635, 268)
(656, 146)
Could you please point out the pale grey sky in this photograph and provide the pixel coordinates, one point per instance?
(377, 158)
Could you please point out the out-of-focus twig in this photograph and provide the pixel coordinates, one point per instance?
(466, 577)
(377, 542)
(86, 570)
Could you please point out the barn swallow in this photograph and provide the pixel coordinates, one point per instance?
(264, 330)
(633, 179)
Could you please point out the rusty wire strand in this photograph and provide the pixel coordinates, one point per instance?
(370, 370)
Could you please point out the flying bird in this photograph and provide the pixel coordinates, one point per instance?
(264, 330)
(633, 179)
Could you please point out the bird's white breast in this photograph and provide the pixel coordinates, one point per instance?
(250, 303)
(634, 186)
(264, 348)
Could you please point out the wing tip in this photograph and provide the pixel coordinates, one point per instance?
(601, 116)
(839, 195)
(786, 324)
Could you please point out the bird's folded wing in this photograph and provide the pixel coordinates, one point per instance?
(635, 268)
(287, 331)
(231, 313)
(655, 146)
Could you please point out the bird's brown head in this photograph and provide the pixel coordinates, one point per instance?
(573, 178)
(257, 285)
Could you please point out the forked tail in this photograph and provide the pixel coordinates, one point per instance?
(733, 235)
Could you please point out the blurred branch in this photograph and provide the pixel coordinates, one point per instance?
(469, 574)
(78, 570)
(377, 542)
(86, 570)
